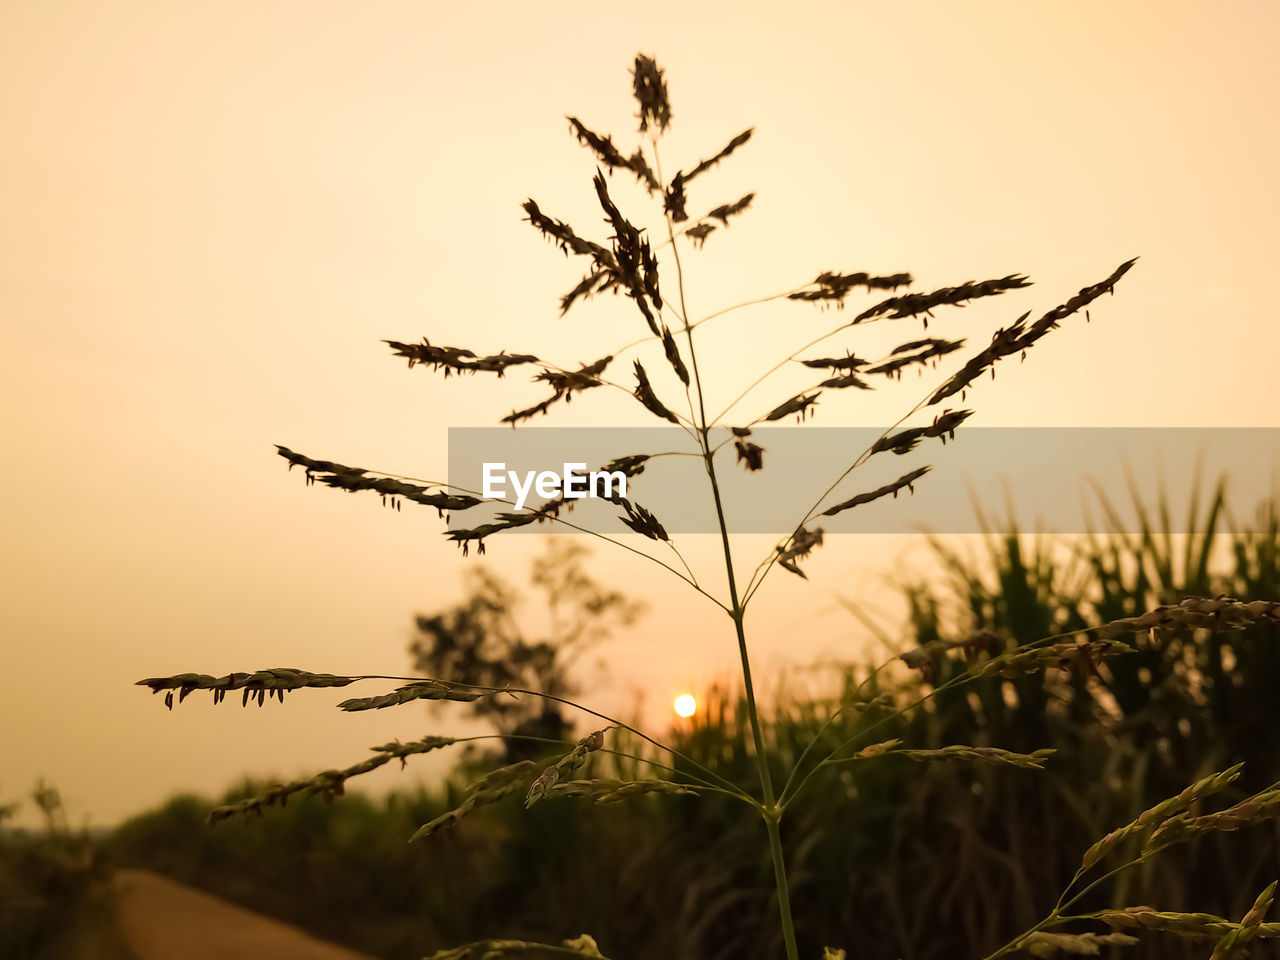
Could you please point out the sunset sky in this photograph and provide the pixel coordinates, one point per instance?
(216, 211)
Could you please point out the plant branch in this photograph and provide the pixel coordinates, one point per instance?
(570, 524)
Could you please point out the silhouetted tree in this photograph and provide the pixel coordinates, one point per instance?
(487, 640)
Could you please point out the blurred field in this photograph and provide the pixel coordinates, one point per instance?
(889, 859)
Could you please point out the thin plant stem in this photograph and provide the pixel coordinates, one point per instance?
(778, 366)
(774, 369)
(711, 316)
(747, 303)
(686, 425)
(567, 523)
(1056, 915)
(680, 556)
(766, 565)
(516, 691)
(817, 737)
(524, 738)
(957, 681)
(769, 810)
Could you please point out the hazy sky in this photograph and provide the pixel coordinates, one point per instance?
(215, 212)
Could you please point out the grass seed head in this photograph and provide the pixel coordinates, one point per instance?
(751, 455)
(705, 165)
(916, 304)
(353, 480)
(844, 381)
(904, 482)
(915, 353)
(402, 751)
(574, 759)
(1018, 338)
(673, 201)
(641, 520)
(904, 441)
(829, 287)
(258, 685)
(800, 405)
(673, 356)
(801, 544)
(419, 690)
(567, 240)
(849, 363)
(1045, 944)
(608, 154)
(700, 232)
(490, 788)
(1162, 811)
(1181, 828)
(650, 90)
(328, 783)
(497, 949)
(727, 210)
(612, 791)
(635, 265)
(962, 752)
(644, 393)
(455, 359)
(594, 282)
(631, 466)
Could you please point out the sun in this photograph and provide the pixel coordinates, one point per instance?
(685, 705)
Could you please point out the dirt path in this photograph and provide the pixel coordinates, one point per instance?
(163, 920)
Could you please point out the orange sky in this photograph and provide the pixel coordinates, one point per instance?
(215, 212)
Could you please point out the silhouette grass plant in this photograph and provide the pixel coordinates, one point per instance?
(627, 263)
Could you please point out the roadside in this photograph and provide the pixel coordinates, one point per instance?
(160, 919)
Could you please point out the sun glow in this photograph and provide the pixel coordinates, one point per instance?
(685, 705)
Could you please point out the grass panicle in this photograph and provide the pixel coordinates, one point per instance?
(583, 946)
(1191, 926)
(418, 690)
(644, 393)
(328, 783)
(611, 156)
(922, 304)
(704, 165)
(894, 748)
(259, 685)
(571, 761)
(1042, 944)
(829, 287)
(801, 544)
(641, 521)
(390, 489)
(942, 428)
(801, 405)
(750, 455)
(727, 210)
(1154, 816)
(606, 790)
(1235, 942)
(457, 359)
(650, 90)
(1071, 657)
(904, 482)
(1019, 338)
(491, 788)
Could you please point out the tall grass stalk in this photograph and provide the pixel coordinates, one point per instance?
(627, 264)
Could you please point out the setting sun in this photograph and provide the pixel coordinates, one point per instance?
(685, 705)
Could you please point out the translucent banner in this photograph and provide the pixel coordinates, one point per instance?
(1052, 478)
